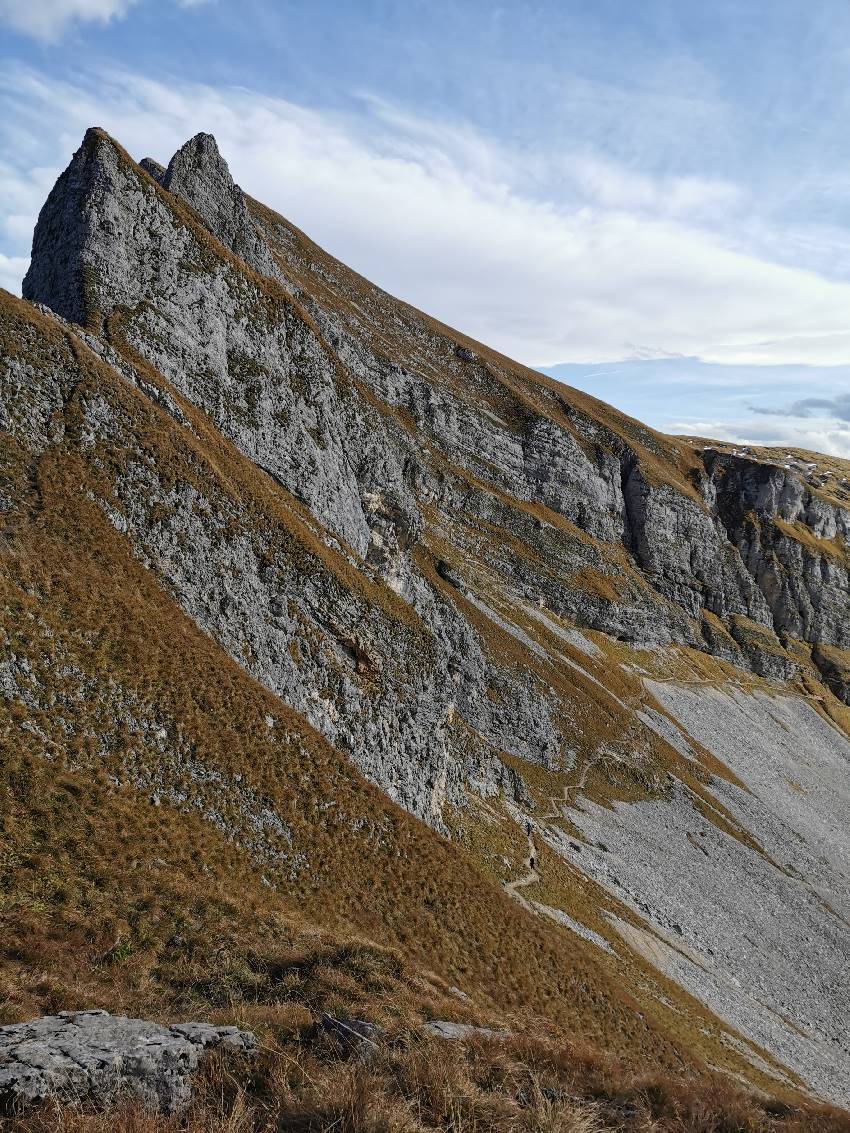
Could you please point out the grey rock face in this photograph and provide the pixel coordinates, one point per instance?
(56, 275)
(87, 232)
(677, 544)
(93, 1056)
(560, 474)
(804, 588)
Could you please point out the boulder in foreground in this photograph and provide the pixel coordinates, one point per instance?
(93, 1056)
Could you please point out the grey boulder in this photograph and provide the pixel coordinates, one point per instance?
(93, 1056)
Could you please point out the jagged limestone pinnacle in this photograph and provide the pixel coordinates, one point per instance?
(93, 207)
(58, 274)
(199, 174)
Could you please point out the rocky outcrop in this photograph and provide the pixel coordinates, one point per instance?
(95, 1057)
(83, 242)
(793, 542)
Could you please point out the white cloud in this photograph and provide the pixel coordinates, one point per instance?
(831, 348)
(12, 270)
(438, 215)
(814, 434)
(48, 20)
(615, 187)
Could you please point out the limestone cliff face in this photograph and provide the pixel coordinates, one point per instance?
(686, 529)
(698, 528)
(464, 575)
(792, 540)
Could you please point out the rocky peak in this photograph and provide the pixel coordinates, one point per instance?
(101, 215)
(200, 176)
(153, 167)
(56, 275)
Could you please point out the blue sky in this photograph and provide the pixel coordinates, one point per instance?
(650, 200)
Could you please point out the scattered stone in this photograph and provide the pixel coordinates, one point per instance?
(350, 1036)
(457, 1032)
(94, 1056)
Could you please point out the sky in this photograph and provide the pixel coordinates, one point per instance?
(650, 201)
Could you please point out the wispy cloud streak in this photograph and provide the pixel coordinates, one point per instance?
(438, 214)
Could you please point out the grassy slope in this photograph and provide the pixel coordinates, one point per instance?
(110, 900)
(82, 855)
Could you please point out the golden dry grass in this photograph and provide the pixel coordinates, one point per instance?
(415, 1085)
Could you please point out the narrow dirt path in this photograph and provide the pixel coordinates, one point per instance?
(528, 878)
(557, 811)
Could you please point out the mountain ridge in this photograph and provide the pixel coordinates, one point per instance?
(526, 618)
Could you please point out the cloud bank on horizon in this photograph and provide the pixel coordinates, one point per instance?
(655, 218)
